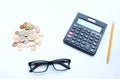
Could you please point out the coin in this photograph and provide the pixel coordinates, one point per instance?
(37, 30)
(15, 37)
(27, 44)
(32, 44)
(14, 44)
(31, 37)
(41, 34)
(26, 33)
(33, 48)
(36, 41)
(22, 26)
(19, 45)
(31, 27)
(22, 39)
(25, 23)
(27, 28)
(17, 32)
(26, 41)
(39, 43)
(21, 33)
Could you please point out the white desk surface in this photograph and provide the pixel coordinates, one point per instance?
(54, 18)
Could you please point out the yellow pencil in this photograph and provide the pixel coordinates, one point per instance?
(110, 43)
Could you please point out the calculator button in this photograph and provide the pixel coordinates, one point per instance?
(92, 51)
(92, 34)
(88, 31)
(75, 35)
(72, 41)
(95, 44)
(77, 32)
(81, 45)
(93, 47)
(71, 33)
(72, 30)
(77, 29)
(73, 38)
(86, 36)
(77, 44)
(87, 46)
(97, 36)
(69, 36)
(84, 39)
(81, 34)
(89, 41)
(67, 39)
(74, 25)
(91, 38)
(78, 40)
(96, 40)
(80, 37)
(83, 42)
(82, 30)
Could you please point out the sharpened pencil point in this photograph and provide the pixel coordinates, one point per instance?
(107, 61)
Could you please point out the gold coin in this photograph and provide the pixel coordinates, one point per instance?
(31, 27)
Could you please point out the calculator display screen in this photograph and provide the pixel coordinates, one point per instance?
(89, 25)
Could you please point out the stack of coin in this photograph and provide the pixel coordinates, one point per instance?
(28, 37)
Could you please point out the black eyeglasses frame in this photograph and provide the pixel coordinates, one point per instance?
(61, 62)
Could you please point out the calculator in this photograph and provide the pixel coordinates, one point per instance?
(85, 34)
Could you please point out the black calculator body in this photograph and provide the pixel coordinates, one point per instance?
(85, 34)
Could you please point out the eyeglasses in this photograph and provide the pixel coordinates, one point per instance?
(39, 66)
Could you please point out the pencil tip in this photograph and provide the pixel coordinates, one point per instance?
(107, 61)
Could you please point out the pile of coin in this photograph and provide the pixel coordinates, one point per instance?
(29, 36)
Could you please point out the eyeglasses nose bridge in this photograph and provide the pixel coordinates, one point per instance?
(50, 63)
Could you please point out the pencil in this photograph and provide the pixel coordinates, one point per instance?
(110, 43)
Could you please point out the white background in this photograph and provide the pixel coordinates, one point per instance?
(54, 18)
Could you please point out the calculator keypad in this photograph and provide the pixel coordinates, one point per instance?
(83, 39)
